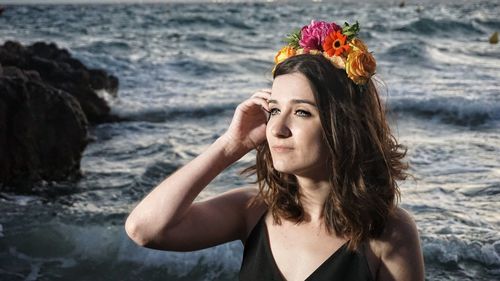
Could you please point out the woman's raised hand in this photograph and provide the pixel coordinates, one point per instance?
(168, 219)
(248, 127)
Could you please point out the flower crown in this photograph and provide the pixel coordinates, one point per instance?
(339, 45)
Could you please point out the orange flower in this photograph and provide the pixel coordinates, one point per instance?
(360, 66)
(335, 44)
(284, 53)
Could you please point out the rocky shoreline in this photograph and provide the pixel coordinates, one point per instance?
(47, 101)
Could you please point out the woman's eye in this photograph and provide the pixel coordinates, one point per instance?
(302, 113)
(273, 111)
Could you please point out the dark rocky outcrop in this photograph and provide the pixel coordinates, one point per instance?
(43, 131)
(59, 69)
(47, 100)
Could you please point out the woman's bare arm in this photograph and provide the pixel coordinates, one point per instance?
(168, 219)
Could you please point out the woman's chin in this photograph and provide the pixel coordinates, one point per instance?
(283, 167)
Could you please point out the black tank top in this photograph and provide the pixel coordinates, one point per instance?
(258, 262)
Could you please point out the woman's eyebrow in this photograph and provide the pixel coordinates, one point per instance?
(295, 101)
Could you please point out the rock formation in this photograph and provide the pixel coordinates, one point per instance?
(59, 69)
(47, 100)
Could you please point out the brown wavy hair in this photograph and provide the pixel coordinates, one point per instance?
(365, 159)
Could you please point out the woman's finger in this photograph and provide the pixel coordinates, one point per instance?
(264, 91)
(263, 94)
(256, 101)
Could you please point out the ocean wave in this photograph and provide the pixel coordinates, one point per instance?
(208, 21)
(488, 190)
(111, 46)
(457, 110)
(194, 67)
(452, 251)
(442, 27)
(488, 23)
(21, 200)
(156, 172)
(413, 52)
(211, 43)
(86, 252)
(165, 114)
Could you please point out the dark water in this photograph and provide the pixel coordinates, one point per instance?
(183, 69)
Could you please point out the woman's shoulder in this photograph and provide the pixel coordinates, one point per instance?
(398, 247)
(246, 197)
(251, 206)
(400, 229)
(254, 208)
(400, 224)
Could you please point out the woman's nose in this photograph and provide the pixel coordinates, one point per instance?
(280, 128)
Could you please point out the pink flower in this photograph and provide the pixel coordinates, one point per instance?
(312, 35)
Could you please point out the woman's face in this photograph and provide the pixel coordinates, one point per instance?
(294, 130)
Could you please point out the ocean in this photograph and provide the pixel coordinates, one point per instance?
(183, 68)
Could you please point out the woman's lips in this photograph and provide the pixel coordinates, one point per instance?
(279, 148)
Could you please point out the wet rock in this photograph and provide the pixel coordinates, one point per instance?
(493, 38)
(47, 100)
(43, 132)
(59, 69)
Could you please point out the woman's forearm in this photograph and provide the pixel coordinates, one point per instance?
(167, 203)
(164, 210)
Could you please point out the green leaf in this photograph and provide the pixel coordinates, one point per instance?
(350, 31)
(293, 39)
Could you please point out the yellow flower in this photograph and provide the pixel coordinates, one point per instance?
(300, 52)
(314, 52)
(284, 53)
(358, 45)
(360, 65)
(337, 61)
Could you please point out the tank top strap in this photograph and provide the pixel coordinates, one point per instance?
(257, 258)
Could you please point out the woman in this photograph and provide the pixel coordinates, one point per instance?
(327, 164)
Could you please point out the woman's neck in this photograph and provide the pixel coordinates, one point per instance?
(313, 193)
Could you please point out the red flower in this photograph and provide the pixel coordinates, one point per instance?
(335, 43)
